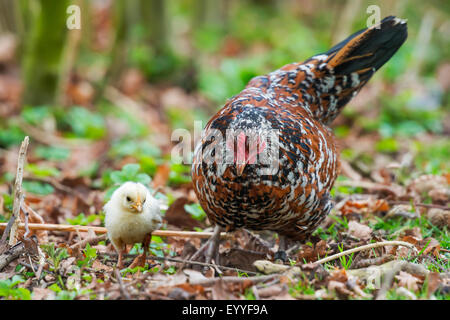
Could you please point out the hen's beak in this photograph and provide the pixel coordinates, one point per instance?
(240, 168)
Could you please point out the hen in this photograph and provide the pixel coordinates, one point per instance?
(268, 160)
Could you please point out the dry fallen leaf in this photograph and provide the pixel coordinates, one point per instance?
(98, 266)
(364, 206)
(339, 275)
(439, 217)
(177, 216)
(407, 280)
(359, 230)
(312, 254)
(339, 288)
(42, 294)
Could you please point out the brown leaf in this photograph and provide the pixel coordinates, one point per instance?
(177, 216)
(365, 206)
(220, 292)
(271, 291)
(434, 280)
(339, 275)
(98, 266)
(312, 254)
(340, 289)
(429, 246)
(439, 217)
(359, 230)
(407, 280)
(415, 232)
(161, 176)
(42, 294)
(197, 289)
(240, 258)
(426, 183)
(402, 210)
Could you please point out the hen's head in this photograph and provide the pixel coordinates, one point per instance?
(246, 138)
(131, 196)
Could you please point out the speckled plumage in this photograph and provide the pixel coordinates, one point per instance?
(298, 101)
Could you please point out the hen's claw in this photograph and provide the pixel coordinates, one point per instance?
(210, 248)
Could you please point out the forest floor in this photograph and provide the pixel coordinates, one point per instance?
(394, 186)
(66, 181)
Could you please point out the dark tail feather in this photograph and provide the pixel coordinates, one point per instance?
(342, 71)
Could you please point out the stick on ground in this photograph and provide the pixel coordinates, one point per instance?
(18, 195)
(365, 247)
(102, 230)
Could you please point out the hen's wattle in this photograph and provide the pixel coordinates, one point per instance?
(280, 121)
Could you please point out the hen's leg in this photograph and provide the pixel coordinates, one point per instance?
(140, 260)
(211, 247)
(282, 247)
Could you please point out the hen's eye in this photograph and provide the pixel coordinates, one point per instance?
(128, 199)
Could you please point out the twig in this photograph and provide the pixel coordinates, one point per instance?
(12, 254)
(363, 263)
(18, 190)
(183, 261)
(393, 189)
(26, 215)
(365, 247)
(102, 230)
(123, 291)
(430, 206)
(90, 240)
(211, 281)
(7, 230)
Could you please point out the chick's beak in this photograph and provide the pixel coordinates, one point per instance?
(137, 206)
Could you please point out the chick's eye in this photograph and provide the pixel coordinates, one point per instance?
(143, 201)
(128, 199)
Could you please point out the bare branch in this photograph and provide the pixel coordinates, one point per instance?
(102, 230)
(18, 196)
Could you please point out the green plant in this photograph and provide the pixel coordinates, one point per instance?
(38, 187)
(52, 153)
(196, 211)
(129, 172)
(346, 263)
(42, 171)
(56, 255)
(85, 124)
(9, 291)
(63, 294)
(82, 220)
(90, 254)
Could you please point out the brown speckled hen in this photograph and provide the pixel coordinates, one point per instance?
(296, 103)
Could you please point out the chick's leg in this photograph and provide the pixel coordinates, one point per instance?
(121, 249)
(140, 260)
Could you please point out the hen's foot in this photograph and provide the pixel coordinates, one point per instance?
(209, 249)
(281, 255)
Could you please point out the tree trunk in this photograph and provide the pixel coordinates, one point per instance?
(43, 52)
(153, 17)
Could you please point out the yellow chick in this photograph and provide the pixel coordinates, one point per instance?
(131, 215)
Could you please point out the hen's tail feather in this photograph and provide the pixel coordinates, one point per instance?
(338, 74)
